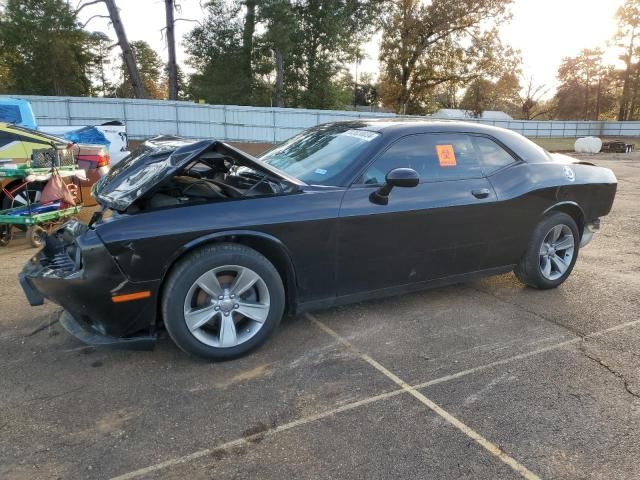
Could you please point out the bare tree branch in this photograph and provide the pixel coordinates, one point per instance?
(83, 25)
(188, 20)
(82, 5)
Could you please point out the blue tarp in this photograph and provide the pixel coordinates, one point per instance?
(87, 135)
(35, 209)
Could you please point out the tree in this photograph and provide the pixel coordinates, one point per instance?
(128, 53)
(280, 22)
(100, 51)
(366, 93)
(305, 42)
(150, 67)
(586, 88)
(214, 48)
(44, 49)
(532, 103)
(328, 34)
(501, 95)
(628, 16)
(172, 64)
(444, 41)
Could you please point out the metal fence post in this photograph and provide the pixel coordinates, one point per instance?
(175, 106)
(275, 124)
(68, 107)
(224, 122)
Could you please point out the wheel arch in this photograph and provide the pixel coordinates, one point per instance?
(572, 209)
(272, 248)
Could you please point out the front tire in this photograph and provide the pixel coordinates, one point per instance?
(552, 252)
(222, 301)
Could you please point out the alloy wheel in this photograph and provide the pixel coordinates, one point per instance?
(23, 198)
(556, 252)
(226, 306)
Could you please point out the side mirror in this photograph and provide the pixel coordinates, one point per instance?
(398, 177)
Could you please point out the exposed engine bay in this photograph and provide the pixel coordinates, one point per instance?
(213, 176)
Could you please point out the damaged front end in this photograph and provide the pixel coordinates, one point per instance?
(75, 271)
(171, 171)
(89, 279)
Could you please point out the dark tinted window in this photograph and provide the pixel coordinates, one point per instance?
(6, 138)
(10, 114)
(434, 156)
(492, 155)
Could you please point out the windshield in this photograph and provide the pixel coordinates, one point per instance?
(318, 155)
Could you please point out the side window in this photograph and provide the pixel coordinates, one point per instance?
(492, 155)
(6, 139)
(435, 156)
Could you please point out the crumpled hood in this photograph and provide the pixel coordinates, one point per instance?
(156, 160)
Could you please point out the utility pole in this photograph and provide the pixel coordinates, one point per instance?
(171, 44)
(127, 53)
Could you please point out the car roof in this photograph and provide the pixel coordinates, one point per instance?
(410, 125)
(396, 127)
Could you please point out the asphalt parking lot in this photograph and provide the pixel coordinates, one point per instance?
(486, 379)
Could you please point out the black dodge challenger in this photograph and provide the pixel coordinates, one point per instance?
(217, 245)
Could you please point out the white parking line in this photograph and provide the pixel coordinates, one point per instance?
(248, 439)
(468, 431)
(350, 406)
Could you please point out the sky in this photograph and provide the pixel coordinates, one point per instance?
(545, 31)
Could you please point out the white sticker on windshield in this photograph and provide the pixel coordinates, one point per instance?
(361, 134)
(320, 171)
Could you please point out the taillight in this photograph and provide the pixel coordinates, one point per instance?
(101, 160)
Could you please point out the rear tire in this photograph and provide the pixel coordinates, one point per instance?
(552, 252)
(222, 301)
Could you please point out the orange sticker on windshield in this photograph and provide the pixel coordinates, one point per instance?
(446, 155)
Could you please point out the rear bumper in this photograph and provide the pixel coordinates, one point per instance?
(84, 278)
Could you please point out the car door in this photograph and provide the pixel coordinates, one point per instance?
(434, 230)
(511, 222)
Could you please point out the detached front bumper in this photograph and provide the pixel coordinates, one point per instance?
(587, 234)
(79, 274)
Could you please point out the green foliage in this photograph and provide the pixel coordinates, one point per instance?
(151, 68)
(98, 69)
(587, 89)
(626, 37)
(501, 95)
(215, 48)
(305, 42)
(43, 49)
(426, 45)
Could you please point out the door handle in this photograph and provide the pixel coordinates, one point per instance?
(480, 192)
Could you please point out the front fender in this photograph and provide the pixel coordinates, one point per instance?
(268, 245)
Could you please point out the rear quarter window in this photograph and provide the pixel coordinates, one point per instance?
(492, 155)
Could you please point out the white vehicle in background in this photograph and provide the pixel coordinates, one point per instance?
(110, 134)
(114, 132)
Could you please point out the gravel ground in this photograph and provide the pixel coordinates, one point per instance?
(486, 379)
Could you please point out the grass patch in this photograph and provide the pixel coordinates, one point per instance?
(566, 144)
